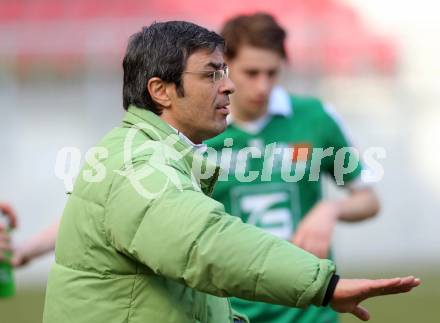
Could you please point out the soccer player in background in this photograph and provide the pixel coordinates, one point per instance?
(263, 113)
(33, 247)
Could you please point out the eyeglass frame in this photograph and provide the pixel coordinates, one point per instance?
(223, 72)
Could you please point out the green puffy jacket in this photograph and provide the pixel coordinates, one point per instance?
(146, 243)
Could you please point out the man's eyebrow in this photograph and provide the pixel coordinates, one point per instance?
(215, 66)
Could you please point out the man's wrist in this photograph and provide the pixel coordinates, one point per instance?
(330, 290)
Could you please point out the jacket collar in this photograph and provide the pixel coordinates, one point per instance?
(157, 129)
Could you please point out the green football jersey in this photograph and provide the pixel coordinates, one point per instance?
(253, 185)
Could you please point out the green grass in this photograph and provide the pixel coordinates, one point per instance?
(419, 306)
(25, 307)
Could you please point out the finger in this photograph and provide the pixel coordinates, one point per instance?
(5, 243)
(9, 212)
(323, 253)
(316, 249)
(15, 262)
(298, 240)
(5, 246)
(297, 235)
(310, 247)
(18, 261)
(397, 290)
(322, 249)
(378, 287)
(417, 282)
(411, 281)
(393, 286)
(406, 285)
(361, 313)
(4, 257)
(384, 284)
(5, 237)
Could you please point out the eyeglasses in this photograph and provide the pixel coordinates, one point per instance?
(216, 75)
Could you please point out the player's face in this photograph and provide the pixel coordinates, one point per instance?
(254, 72)
(201, 112)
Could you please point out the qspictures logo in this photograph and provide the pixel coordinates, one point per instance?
(145, 160)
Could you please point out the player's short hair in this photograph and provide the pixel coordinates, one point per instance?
(259, 30)
(162, 50)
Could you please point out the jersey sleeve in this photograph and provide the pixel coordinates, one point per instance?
(344, 165)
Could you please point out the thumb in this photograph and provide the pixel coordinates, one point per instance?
(361, 313)
(18, 259)
(297, 238)
(15, 261)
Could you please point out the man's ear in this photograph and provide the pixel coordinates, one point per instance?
(158, 92)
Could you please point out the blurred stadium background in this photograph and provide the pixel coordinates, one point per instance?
(376, 61)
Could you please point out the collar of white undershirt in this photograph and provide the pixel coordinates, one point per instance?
(200, 147)
(279, 104)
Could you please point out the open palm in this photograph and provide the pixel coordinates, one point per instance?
(349, 293)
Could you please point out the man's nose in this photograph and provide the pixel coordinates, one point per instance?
(227, 86)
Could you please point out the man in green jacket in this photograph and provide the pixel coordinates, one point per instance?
(141, 240)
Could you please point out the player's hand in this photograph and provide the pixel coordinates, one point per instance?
(5, 242)
(5, 239)
(350, 292)
(314, 233)
(20, 257)
(9, 212)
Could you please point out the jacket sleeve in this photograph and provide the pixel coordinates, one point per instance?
(185, 235)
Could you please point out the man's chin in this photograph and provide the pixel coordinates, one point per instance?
(220, 127)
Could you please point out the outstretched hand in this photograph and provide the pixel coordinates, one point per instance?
(349, 293)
